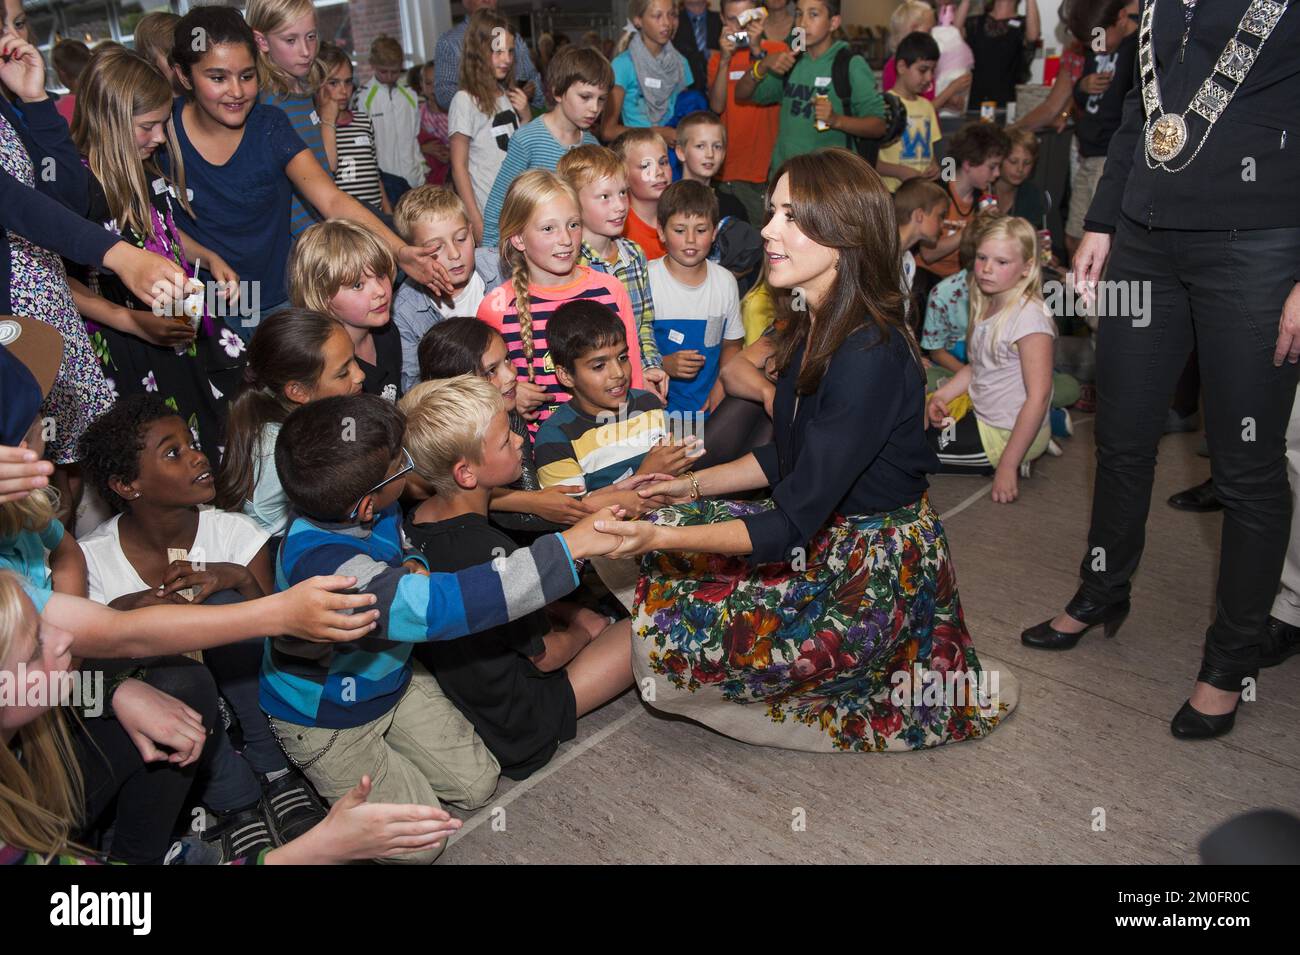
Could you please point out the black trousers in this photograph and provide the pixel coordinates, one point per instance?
(1223, 292)
(142, 800)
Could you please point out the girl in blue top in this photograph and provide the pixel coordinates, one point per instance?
(288, 73)
(243, 160)
(649, 75)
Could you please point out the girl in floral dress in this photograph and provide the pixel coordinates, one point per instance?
(826, 618)
(123, 115)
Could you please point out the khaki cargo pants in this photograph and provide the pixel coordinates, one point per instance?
(421, 751)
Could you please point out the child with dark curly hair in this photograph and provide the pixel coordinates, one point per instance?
(167, 544)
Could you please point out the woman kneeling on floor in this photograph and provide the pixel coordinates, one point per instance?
(832, 608)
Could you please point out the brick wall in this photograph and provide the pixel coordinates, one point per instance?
(370, 18)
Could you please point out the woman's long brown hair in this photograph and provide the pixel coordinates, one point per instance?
(839, 202)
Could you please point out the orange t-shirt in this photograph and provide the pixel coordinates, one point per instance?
(954, 220)
(751, 129)
(646, 236)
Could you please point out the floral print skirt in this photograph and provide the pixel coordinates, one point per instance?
(860, 648)
(197, 384)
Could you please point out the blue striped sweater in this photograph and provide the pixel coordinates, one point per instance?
(343, 685)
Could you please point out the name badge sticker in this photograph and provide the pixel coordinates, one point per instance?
(315, 119)
(676, 337)
(735, 75)
(363, 140)
(652, 82)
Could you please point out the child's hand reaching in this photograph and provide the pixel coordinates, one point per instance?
(356, 829)
(554, 504)
(670, 457)
(312, 610)
(585, 541)
(631, 538)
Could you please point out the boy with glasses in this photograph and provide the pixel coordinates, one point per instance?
(364, 708)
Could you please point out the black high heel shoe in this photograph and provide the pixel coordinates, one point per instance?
(1109, 616)
(1191, 723)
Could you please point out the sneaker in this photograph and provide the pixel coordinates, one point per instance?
(239, 835)
(1062, 426)
(291, 807)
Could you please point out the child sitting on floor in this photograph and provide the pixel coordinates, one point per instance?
(166, 543)
(523, 683)
(609, 430)
(1009, 378)
(363, 707)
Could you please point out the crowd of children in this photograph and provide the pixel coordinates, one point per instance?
(444, 331)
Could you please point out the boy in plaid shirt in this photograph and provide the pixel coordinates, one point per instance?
(600, 179)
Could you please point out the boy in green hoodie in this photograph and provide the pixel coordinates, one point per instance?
(802, 81)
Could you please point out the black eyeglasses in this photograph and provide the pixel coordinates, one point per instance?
(406, 469)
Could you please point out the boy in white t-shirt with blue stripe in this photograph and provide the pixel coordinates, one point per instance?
(697, 304)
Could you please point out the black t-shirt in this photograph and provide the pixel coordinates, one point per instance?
(521, 713)
(999, 48)
(1099, 115)
(385, 378)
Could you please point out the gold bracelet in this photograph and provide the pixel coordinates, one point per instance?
(695, 486)
(754, 71)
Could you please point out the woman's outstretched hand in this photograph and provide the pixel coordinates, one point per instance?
(635, 537)
(667, 489)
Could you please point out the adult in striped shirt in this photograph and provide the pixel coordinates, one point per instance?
(541, 232)
(357, 169)
(579, 78)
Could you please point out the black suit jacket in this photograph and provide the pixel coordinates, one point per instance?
(684, 41)
(1247, 175)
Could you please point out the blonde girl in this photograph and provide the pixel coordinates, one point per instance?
(123, 118)
(288, 75)
(43, 791)
(485, 112)
(1009, 375)
(541, 232)
(341, 270)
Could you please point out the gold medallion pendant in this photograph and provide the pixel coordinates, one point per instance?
(1166, 137)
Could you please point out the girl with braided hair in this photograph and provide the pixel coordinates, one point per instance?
(541, 231)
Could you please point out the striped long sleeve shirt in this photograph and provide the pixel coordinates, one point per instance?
(343, 685)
